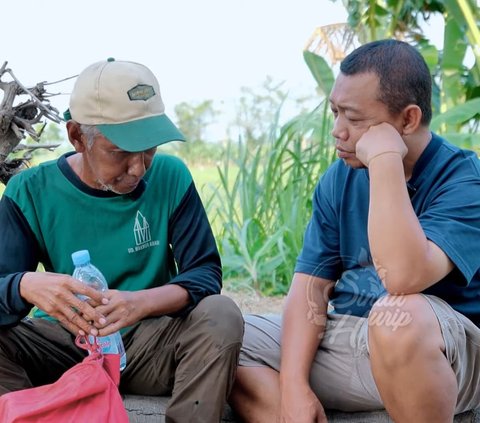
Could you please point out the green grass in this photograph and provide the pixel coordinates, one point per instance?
(207, 180)
(204, 175)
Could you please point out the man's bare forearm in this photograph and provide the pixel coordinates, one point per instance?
(303, 326)
(404, 258)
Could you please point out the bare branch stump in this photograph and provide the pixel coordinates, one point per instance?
(21, 110)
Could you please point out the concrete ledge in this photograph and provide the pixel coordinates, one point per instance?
(152, 410)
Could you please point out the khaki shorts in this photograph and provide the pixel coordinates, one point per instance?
(341, 376)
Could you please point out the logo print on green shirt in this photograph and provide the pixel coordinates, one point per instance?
(143, 236)
(141, 229)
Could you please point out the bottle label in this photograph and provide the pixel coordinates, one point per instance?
(107, 344)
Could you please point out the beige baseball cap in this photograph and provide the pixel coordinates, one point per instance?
(123, 100)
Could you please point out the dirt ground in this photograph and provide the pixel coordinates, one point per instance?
(251, 302)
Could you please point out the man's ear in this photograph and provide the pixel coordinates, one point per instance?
(76, 137)
(412, 119)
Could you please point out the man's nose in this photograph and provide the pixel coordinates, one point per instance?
(136, 165)
(339, 130)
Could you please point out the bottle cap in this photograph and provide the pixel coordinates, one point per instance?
(81, 257)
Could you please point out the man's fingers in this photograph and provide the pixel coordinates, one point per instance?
(75, 323)
(78, 315)
(110, 328)
(87, 312)
(94, 297)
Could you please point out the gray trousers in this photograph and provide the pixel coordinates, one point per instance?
(341, 375)
(193, 359)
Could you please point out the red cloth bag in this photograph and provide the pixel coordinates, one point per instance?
(86, 393)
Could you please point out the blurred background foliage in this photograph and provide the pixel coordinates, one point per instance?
(257, 180)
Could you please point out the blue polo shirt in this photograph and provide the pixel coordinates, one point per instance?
(445, 194)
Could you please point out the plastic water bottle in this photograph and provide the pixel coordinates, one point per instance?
(86, 272)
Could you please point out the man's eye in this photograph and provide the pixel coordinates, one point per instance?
(353, 119)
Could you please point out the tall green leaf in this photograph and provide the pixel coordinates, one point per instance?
(457, 115)
(322, 73)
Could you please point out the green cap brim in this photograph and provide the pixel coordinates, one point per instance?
(142, 134)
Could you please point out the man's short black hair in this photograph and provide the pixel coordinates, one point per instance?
(403, 74)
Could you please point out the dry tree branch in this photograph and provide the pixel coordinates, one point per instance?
(22, 147)
(17, 119)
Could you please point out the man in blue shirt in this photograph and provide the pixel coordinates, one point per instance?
(392, 247)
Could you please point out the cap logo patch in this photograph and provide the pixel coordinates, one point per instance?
(141, 92)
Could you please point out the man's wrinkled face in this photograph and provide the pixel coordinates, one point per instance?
(355, 106)
(107, 167)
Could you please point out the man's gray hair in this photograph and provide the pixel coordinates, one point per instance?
(90, 131)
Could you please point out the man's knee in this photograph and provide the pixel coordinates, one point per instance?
(400, 327)
(256, 394)
(221, 317)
